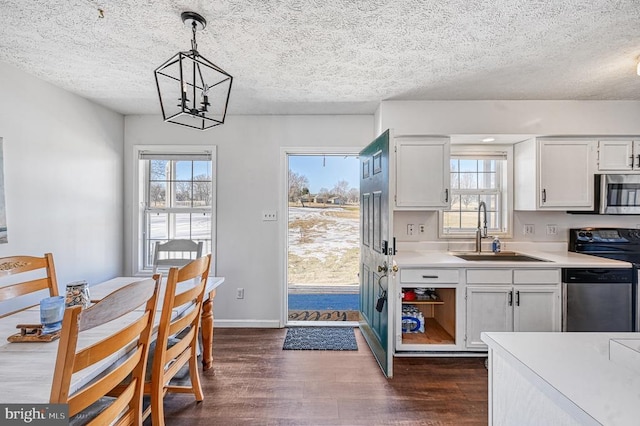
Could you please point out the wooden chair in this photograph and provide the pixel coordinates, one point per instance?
(132, 339)
(177, 342)
(175, 253)
(30, 266)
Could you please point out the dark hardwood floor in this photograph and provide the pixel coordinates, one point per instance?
(255, 382)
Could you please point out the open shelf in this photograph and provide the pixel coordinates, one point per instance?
(422, 302)
(434, 334)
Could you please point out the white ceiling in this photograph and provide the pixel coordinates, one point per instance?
(333, 56)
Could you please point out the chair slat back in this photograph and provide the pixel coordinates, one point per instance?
(130, 342)
(167, 361)
(16, 265)
(176, 253)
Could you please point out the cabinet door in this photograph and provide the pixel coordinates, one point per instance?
(489, 308)
(536, 308)
(565, 175)
(422, 173)
(615, 155)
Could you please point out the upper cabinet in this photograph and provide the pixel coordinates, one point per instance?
(422, 173)
(619, 155)
(554, 174)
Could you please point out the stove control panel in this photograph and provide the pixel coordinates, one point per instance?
(590, 235)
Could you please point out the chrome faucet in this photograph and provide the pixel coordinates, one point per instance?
(481, 232)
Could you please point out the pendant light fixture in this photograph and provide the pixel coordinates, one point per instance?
(193, 91)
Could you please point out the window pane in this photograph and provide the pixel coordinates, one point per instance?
(455, 181)
(469, 220)
(486, 180)
(158, 226)
(184, 170)
(451, 220)
(158, 169)
(487, 165)
(202, 195)
(468, 165)
(455, 202)
(202, 170)
(468, 181)
(157, 194)
(182, 194)
(469, 202)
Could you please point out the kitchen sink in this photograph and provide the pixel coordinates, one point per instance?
(505, 256)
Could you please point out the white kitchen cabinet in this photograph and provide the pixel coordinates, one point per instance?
(488, 309)
(422, 173)
(554, 174)
(528, 301)
(618, 155)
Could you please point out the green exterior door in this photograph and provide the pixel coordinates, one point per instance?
(376, 246)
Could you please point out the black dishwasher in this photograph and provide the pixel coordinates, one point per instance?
(598, 299)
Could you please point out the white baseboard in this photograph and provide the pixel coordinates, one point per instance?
(222, 323)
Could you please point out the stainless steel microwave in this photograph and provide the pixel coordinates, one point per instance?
(618, 194)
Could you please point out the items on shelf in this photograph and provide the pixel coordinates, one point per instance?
(412, 319)
(425, 294)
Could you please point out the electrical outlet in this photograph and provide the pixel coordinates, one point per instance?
(240, 293)
(269, 215)
(410, 229)
(552, 229)
(529, 229)
(421, 228)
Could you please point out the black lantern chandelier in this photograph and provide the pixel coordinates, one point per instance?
(193, 91)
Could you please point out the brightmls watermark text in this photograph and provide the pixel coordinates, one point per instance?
(34, 414)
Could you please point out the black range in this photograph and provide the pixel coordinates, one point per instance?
(602, 299)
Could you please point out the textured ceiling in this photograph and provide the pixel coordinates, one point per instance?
(333, 56)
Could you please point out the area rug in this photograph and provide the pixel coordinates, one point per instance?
(312, 315)
(320, 339)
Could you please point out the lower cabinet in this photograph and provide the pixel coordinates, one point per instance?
(512, 302)
(446, 310)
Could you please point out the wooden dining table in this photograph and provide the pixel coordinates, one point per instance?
(26, 368)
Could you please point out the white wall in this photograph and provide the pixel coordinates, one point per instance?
(249, 180)
(63, 160)
(510, 117)
(544, 118)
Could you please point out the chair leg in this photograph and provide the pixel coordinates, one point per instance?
(157, 407)
(195, 377)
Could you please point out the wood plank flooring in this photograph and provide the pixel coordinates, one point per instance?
(255, 382)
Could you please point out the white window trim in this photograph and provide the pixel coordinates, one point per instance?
(138, 202)
(508, 189)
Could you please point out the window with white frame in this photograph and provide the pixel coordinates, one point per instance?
(478, 175)
(177, 199)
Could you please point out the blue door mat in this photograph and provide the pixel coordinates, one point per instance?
(324, 302)
(320, 339)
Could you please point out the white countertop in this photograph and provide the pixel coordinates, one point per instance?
(555, 259)
(574, 368)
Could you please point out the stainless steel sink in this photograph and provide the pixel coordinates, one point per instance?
(505, 256)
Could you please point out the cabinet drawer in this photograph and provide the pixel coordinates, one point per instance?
(536, 276)
(429, 276)
(489, 276)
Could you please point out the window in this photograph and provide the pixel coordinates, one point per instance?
(177, 200)
(478, 175)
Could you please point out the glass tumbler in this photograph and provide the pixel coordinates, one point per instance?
(51, 313)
